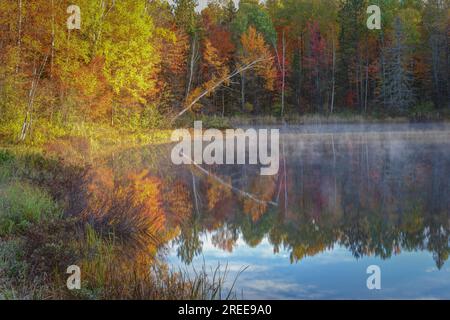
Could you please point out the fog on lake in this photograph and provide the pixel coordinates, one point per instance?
(345, 197)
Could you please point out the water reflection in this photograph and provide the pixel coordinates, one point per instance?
(370, 193)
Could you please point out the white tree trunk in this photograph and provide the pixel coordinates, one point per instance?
(27, 123)
(333, 81)
(194, 52)
(243, 91)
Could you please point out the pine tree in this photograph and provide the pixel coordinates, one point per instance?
(399, 77)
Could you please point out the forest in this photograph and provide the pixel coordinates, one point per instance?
(139, 64)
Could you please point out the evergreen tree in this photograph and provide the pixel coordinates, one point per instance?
(399, 76)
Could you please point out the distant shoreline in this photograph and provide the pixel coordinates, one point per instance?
(219, 122)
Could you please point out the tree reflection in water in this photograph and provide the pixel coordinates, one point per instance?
(376, 194)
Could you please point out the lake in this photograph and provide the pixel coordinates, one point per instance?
(345, 197)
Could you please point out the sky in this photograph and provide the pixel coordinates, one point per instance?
(203, 3)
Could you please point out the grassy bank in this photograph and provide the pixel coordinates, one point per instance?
(83, 142)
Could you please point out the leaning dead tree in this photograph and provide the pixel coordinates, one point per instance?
(227, 185)
(218, 83)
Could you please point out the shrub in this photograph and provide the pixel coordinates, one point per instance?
(6, 160)
(12, 264)
(248, 107)
(21, 205)
(423, 111)
(151, 118)
(276, 109)
(51, 246)
(13, 270)
(215, 122)
(5, 157)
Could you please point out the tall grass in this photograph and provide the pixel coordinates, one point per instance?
(210, 285)
(6, 160)
(15, 282)
(33, 267)
(110, 273)
(22, 205)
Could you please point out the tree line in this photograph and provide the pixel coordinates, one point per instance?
(137, 63)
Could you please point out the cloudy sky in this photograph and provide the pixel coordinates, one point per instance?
(202, 3)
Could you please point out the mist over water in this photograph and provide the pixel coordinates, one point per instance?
(345, 197)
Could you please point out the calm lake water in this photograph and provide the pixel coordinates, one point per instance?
(346, 197)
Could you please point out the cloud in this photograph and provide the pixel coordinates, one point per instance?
(276, 289)
(203, 3)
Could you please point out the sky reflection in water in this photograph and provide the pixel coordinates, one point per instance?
(333, 274)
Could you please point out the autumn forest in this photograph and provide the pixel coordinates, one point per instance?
(138, 63)
(91, 91)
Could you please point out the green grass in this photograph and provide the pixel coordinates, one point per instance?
(6, 161)
(17, 207)
(22, 205)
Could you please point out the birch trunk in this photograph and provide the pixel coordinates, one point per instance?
(243, 91)
(333, 81)
(28, 121)
(192, 65)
